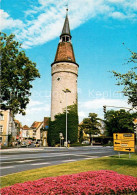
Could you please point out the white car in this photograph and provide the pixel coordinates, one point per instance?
(85, 142)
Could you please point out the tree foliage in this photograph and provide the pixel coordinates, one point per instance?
(17, 74)
(59, 126)
(119, 122)
(91, 125)
(129, 80)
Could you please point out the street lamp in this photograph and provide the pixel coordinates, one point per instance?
(66, 91)
(60, 136)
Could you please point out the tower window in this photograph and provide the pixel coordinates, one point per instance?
(58, 79)
(1, 128)
(1, 117)
(63, 39)
(69, 58)
(67, 39)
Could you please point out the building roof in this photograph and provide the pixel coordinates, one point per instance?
(65, 52)
(36, 125)
(66, 28)
(25, 127)
(17, 122)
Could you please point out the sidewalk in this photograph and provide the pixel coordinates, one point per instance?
(30, 149)
(20, 149)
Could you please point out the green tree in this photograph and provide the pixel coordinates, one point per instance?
(81, 139)
(129, 80)
(119, 122)
(17, 74)
(91, 125)
(59, 126)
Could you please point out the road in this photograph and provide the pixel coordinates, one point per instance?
(17, 160)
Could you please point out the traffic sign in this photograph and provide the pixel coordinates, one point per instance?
(124, 142)
(124, 149)
(124, 136)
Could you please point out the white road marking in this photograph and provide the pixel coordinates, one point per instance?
(46, 163)
(20, 161)
(3, 157)
(91, 157)
(84, 155)
(52, 155)
(28, 160)
(68, 160)
(6, 167)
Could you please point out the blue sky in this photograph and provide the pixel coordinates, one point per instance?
(98, 28)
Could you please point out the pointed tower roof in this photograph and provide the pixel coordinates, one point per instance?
(65, 51)
(66, 28)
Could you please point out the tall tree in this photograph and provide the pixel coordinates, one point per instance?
(129, 80)
(91, 125)
(119, 122)
(17, 74)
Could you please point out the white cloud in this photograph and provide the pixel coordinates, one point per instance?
(6, 22)
(36, 111)
(45, 22)
(116, 1)
(99, 103)
(118, 15)
(47, 2)
(82, 114)
(34, 103)
(96, 106)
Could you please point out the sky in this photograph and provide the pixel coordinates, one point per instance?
(98, 29)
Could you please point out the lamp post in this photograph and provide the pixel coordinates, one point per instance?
(60, 136)
(66, 91)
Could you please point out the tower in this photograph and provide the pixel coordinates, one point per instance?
(64, 71)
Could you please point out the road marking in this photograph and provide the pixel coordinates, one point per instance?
(52, 155)
(6, 167)
(86, 155)
(68, 160)
(20, 161)
(91, 157)
(46, 163)
(28, 160)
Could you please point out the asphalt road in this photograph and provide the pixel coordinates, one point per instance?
(17, 160)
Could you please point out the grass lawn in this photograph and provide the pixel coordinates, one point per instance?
(122, 165)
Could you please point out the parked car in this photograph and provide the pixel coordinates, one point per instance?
(86, 142)
(23, 144)
(37, 144)
(28, 143)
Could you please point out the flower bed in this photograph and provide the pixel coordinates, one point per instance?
(86, 183)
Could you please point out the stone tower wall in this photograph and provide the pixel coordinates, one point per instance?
(64, 76)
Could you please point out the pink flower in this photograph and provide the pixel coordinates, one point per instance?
(86, 183)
